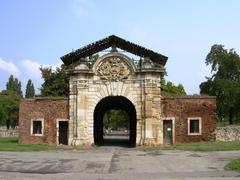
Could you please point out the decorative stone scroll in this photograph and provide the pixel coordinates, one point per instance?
(113, 68)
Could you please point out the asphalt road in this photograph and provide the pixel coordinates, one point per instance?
(111, 162)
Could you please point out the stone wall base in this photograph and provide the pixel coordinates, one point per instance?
(228, 133)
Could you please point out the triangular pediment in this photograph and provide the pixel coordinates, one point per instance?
(110, 41)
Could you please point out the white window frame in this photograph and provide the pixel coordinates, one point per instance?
(200, 125)
(37, 119)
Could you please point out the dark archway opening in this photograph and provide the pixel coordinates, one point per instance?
(114, 103)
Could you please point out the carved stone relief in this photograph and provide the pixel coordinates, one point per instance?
(113, 68)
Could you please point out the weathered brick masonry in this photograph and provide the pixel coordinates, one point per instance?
(181, 108)
(48, 109)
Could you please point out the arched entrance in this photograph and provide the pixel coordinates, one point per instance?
(115, 82)
(114, 102)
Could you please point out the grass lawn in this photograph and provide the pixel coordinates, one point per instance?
(206, 146)
(11, 144)
(234, 165)
(200, 146)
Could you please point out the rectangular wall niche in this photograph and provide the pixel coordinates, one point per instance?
(37, 127)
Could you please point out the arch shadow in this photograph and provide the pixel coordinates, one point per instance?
(114, 102)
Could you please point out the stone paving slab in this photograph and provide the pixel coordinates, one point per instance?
(116, 163)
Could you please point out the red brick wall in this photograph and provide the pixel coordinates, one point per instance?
(190, 106)
(48, 109)
(180, 108)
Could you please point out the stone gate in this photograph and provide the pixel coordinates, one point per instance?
(122, 83)
(116, 81)
(113, 76)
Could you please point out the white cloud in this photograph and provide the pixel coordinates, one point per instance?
(26, 69)
(31, 70)
(55, 66)
(9, 67)
(83, 8)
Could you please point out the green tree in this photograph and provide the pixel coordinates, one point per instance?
(9, 107)
(224, 82)
(169, 89)
(116, 118)
(55, 82)
(30, 91)
(9, 102)
(3, 115)
(14, 84)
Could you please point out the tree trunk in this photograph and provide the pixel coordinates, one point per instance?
(231, 116)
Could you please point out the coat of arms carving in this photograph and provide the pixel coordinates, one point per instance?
(113, 68)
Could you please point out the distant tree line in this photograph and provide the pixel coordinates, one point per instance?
(9, 101)
(224, 84)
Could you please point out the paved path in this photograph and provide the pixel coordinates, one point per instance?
(116, 163)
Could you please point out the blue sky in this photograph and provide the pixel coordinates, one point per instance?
(35, 33)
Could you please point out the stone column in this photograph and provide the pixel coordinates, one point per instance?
(72, 111)
(82, 124)
(78, 105)
(152, 103)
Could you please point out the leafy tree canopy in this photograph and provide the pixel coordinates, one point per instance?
(9, 107)
(169, 89)
(14, 84)
(9, 102)
(30, 91)
(224, 82)
(55, 82)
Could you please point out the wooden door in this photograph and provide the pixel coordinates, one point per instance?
(63, 132)
(167, 132)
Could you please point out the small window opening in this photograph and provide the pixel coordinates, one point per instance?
(37, 127)
(194, 126)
